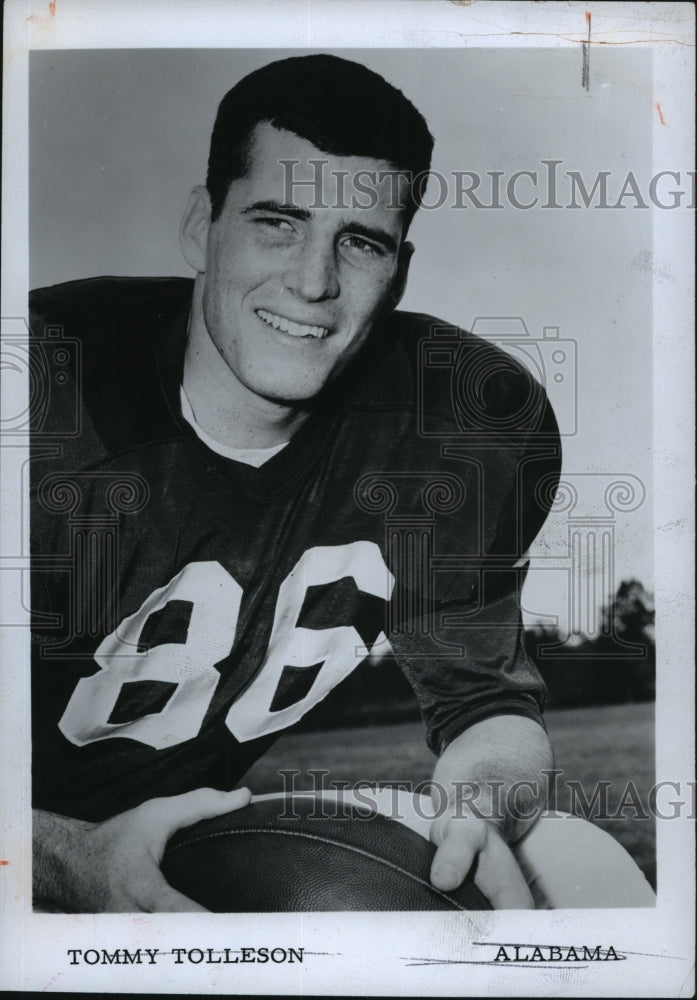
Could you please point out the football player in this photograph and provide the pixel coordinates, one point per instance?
(272, 476)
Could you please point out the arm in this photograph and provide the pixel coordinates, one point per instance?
(478, 771)
(113, 866)
(493, 754)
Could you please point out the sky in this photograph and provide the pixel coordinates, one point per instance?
(118, 138)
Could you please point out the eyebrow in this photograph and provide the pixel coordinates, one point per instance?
(375, 233)
(276, 206)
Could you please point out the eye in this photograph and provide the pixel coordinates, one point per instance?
(274, 222)
(363, 246)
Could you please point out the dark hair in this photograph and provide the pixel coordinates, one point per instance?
(341, 107)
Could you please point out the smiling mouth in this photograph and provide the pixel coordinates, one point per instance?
(292, 329)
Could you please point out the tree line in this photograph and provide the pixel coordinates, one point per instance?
(617, 664)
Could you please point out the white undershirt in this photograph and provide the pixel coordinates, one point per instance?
(250, 456)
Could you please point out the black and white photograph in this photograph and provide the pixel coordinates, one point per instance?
(347, 450)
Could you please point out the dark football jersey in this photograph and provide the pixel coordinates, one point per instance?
(187, 608)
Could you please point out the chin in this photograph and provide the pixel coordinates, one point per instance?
(290, 386)
(289, 394)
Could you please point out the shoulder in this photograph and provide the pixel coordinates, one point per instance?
(94, 346)
(455, 381)
(96, 303)
(108, 325)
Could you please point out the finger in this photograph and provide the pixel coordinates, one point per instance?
(500, 878)
(191, 807)
(453, 859)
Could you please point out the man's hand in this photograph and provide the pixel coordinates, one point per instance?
(463, 841)
(114, 866)
(502, 762)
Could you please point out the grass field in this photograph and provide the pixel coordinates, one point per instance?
(611, 743)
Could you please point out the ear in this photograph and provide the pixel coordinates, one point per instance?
(193, 231)
(399, 283)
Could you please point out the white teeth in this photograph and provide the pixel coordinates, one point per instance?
(293, 329)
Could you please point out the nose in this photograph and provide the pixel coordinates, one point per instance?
(312, 275)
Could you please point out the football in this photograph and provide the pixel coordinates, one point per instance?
(305, 852)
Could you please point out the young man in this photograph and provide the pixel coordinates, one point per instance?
(269, 484)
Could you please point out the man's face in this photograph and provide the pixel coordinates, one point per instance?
(292, 291)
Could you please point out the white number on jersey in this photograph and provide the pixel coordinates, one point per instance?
(216, 598)
(216, 601)
(338, 650)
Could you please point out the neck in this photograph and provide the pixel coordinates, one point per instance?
(225, 408)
